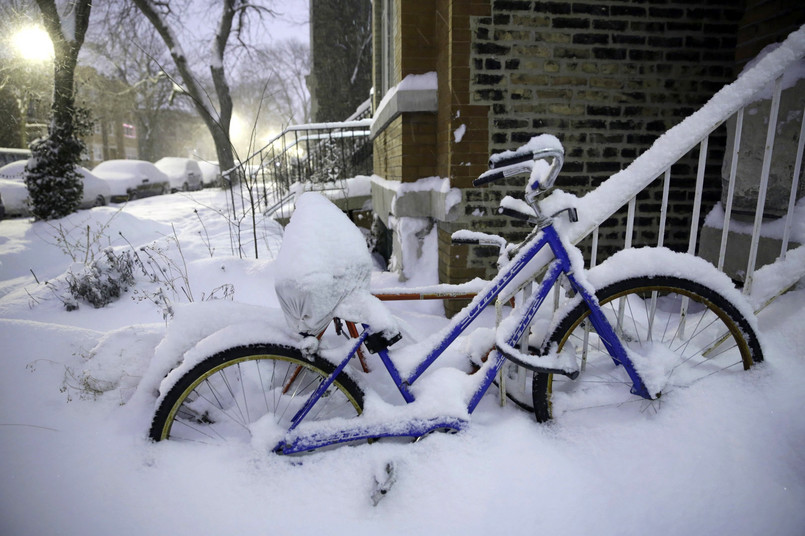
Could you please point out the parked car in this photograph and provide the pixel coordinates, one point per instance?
(210, 174)
(184, 173)
(132, 179)
(9, 155)
(15, 197)
(15, 192)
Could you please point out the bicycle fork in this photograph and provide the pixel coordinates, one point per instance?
(605, 331)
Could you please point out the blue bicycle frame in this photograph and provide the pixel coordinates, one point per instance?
(418, 427)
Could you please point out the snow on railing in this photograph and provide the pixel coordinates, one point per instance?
(314, 155)
(655, 164)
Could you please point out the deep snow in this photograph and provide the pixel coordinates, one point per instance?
(723, 457)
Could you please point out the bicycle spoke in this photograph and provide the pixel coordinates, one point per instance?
(671, 323)
(225, 399)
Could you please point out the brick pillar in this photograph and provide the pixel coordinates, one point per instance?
(462, 134)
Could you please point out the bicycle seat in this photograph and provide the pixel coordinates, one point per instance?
(323, 270)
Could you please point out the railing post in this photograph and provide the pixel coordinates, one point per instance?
(792, 198)
(627, 243)
(666, 187)
(736, 147)
(697, 199)
(764, 184)
(296, 163)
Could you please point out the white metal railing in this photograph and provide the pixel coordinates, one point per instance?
(653, 168)
(655, 164)
(319, 155)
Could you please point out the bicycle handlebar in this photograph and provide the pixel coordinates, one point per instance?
(523, 160)
(503, 172)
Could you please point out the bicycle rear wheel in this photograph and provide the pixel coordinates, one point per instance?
(249, 390)
(689, 330)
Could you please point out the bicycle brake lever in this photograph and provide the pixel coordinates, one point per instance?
(572, 214)
(512, 213)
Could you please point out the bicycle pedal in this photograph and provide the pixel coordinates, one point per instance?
(382, 488)
(377, 341)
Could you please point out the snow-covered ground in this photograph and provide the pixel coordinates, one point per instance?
(726, 456)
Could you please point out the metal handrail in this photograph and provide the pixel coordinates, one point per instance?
(311, 153)
(623, 187)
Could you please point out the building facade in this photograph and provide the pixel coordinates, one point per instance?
(111, 104)
(456, 81)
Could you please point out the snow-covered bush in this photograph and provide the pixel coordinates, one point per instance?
(103, 280)
(54, 184)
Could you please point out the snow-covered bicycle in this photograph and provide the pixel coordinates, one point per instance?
(641, 325)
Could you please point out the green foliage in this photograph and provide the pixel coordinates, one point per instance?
(11, 134)
(54, 185)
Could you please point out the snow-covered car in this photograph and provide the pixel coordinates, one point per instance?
(15, 197)
(8, 155)
(132, 179)
(210, 174)
(96, 191)
(184, 173)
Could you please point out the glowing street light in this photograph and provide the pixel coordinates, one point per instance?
(33, 43)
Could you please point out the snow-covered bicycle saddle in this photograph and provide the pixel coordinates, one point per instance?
(323, 270)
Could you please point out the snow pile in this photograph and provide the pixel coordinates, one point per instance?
(412, 82)
(770, 229)
(791, 76)
(70, 419)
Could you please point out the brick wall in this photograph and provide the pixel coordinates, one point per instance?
(406, 149)
(607, 78)
(765, 22)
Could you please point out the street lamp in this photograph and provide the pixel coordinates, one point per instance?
(33, 55)
(33, 43)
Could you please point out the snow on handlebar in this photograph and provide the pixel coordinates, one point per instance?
(529, 158)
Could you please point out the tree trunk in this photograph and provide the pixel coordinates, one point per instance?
(66, 48)
(54, 186)
(217, 122)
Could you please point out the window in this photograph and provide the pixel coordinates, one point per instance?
(128, 131)
(389, 30)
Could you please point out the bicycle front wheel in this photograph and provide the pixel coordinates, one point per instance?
(250, 390)
(691, 331)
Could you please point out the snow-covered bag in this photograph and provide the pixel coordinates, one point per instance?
(323, 270)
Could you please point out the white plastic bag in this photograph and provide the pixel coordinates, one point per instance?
(323, 260)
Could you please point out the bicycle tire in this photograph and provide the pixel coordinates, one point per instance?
(706, 310)
(227, 395)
